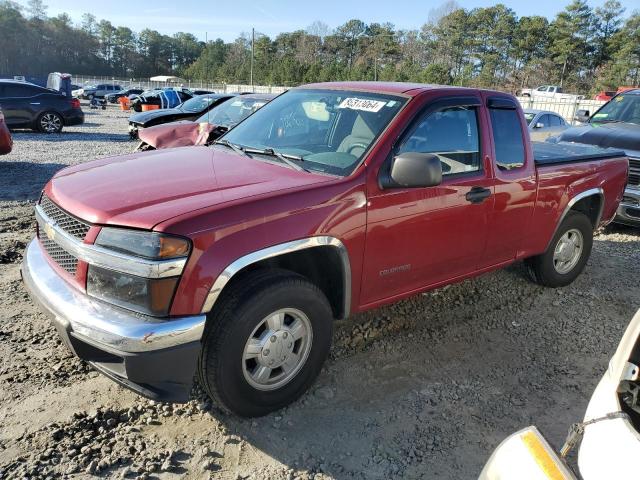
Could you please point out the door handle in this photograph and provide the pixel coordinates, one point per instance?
(478, 194)
(35, 103)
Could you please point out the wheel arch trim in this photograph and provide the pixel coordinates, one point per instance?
(278, 250)
(598, 191)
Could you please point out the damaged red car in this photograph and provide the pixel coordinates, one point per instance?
(205, 129)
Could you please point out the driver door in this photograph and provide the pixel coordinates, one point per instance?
(420, 237)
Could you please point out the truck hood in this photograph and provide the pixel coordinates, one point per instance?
(625, 136)
(143, 189)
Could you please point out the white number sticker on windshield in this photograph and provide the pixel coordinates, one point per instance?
(362, 104)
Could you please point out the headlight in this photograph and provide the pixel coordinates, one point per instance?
(150, 296)
(152, 245)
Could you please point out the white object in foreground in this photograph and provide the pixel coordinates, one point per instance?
(525, 455)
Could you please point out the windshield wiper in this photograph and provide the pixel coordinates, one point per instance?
(232, 146)
(283, 157)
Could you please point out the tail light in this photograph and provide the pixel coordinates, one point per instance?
(75, 103)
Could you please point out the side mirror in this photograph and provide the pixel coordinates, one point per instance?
(539, 125)
(582, 116)
(413, 169)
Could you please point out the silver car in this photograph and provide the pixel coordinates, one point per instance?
(543, 124)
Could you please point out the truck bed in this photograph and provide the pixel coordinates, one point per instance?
(546, 153)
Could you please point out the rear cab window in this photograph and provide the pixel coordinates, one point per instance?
(507, 136)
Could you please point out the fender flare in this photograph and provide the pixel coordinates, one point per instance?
(575, 199)
(278, 250)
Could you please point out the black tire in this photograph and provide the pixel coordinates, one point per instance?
(542, 268)
(233, 322)
(50, 122)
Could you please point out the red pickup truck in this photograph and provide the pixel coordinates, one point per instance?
(233, 260)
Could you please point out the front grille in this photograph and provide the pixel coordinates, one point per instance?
(70, 225)
(634, 172)
(59, 255)
(65, 221)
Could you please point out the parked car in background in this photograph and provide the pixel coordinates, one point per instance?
(543, 123)
(616, 124)
(189, 110)
(26, 105)
(115, 96)
(205, 129)
(200, 91)
(605, 95)
(610, 430)
(76, 91)
(98, 91)
(167, 97)
(232, 261)
(547, 92)
(6, 142)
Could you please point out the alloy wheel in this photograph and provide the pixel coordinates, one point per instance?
(277, 349)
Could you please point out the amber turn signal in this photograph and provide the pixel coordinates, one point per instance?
(171, 247)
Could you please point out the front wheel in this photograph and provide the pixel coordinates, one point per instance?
(265, 343)
(567, 254)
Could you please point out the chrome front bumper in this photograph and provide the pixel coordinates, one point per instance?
(629, 209)
(155, 357)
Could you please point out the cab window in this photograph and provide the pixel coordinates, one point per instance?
(452, 135)
(507, 137)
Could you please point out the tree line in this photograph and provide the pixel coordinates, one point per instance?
(585, 49)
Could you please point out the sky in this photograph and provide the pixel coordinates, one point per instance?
(226, 20)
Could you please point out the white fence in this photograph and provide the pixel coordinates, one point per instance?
(567, 108)
(145, 84)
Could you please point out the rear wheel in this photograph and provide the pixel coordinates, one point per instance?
(50, 122)
(567, 254)
(266, 342)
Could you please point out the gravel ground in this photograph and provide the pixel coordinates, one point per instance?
(425, 388)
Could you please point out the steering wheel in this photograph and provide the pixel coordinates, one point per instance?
(356, 145)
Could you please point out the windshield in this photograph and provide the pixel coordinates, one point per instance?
(528, 117)
(331, 130)
(232, 111)
(623, 108)
(198, 104)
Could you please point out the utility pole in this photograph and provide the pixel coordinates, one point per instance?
(253, 41)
